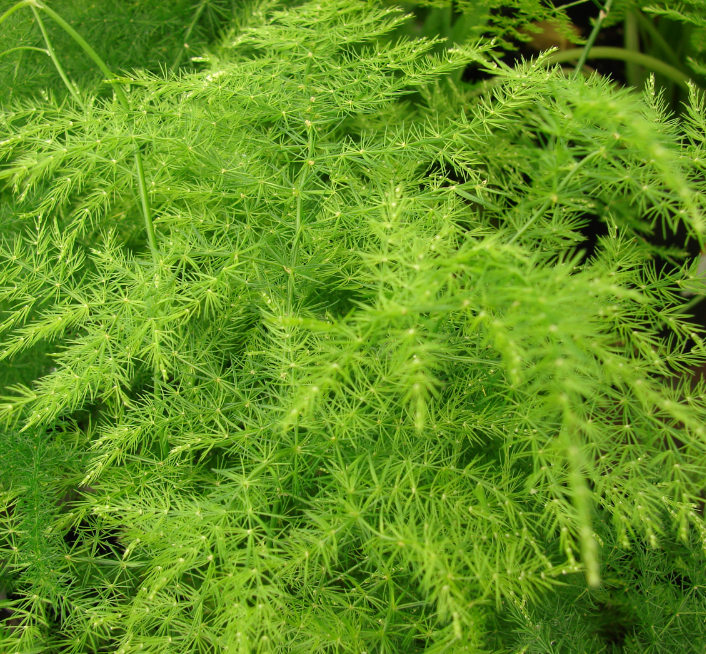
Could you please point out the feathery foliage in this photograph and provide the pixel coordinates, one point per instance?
(304, 348)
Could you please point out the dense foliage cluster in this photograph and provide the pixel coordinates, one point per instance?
(309, 345)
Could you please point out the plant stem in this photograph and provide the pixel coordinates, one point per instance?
(13, 9)
(657, 38)
(624, 55)
(122, 98)
(145, 201)
(52, 54)
(538, 214)
(187, 36)
(24, 47)
(632, 44)
(92, 54)
(602, 15)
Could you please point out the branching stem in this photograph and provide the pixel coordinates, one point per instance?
(122, 98)
(24, 47)
(538, 214)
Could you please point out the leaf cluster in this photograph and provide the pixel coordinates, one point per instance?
(319, 357)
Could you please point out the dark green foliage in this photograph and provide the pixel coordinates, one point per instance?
(691, 15)
(318, 360)
(135, 34)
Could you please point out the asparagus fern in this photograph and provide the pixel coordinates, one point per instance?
(317, 359)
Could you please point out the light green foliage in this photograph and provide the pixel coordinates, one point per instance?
(367, 393)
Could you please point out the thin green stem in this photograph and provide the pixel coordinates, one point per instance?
(187, 36)
(632, 44)
(582, 503)
(122, 98)
(294, 253)
(293, 261)
(92, 54)
(538, 214)
(24, 47)
(17, 7)
(145, 201)
(294, 256)
(657, 38)
(602, 15)
(54, 58)
(652, 63)
(573, 4)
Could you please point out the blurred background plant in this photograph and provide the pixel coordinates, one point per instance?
(637, 37)
(126, 34)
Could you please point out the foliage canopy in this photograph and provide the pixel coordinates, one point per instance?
(305, 348)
